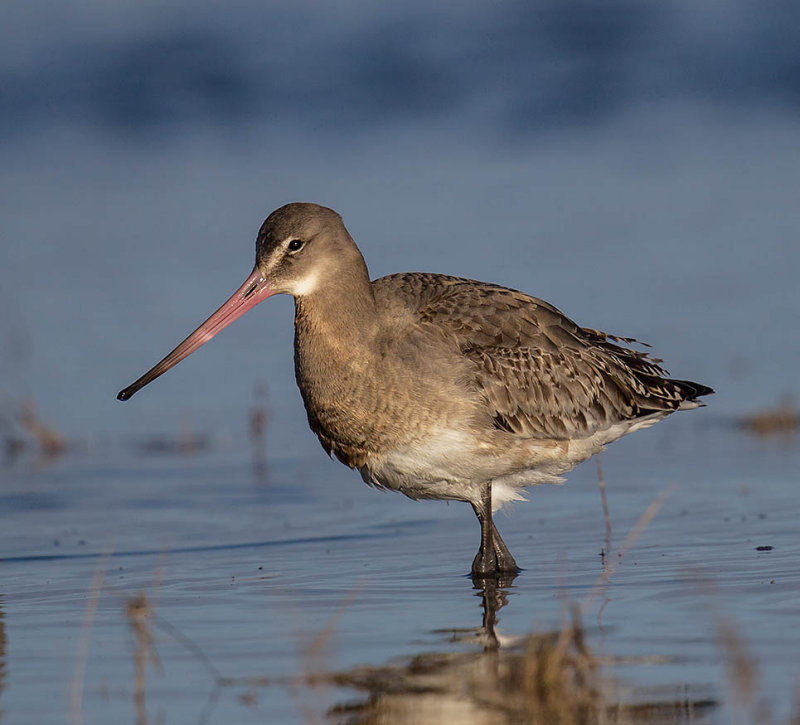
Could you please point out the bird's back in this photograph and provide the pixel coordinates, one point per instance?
(538, 374)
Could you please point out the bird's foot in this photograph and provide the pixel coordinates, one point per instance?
(506, 564)
(484, 564)
(494, 562)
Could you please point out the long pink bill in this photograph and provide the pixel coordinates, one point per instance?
(254, 290)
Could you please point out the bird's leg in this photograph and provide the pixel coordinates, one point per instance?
(493, 557)
(505, 562)
(485, 562)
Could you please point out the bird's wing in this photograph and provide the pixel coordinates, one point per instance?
(540, 374)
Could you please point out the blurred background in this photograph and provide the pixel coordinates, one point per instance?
(634, 163)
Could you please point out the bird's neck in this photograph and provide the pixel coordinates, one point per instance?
(336, 327)
(336, 357)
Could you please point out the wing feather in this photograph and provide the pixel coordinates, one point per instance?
(540, 374)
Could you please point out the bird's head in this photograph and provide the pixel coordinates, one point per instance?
(299, 248)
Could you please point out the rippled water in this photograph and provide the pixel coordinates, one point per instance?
(636, 166)
(254, 568)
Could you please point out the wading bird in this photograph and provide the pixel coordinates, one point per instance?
(440, 387)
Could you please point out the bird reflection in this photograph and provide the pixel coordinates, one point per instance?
(477, 676)
(494, 594)
(549, 677)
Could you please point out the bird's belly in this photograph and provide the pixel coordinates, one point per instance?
(441, 466)
(453, 465)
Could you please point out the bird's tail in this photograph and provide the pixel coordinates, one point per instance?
(690, 392)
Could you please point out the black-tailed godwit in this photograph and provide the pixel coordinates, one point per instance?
(440, 387)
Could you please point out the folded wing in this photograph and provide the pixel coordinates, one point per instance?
(540, 374)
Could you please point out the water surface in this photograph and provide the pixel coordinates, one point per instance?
(254, 571)
(637, 166)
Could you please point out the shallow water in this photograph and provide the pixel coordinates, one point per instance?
(635, 166)
(252, 569)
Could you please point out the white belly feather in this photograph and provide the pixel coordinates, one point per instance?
(452, 465)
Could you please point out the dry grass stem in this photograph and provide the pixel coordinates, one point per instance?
(602, 486)
(194, 648)
(796, 705)
(782, 420)
(139, 614)
(741, 666)
(51, 442)
(312, 674)
(610, 568)
(82, 655)
(313, 653)
(2, 650)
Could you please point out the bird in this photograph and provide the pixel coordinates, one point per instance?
(440, 387)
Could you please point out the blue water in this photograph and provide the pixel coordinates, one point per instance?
(636, 165)
(252, 569)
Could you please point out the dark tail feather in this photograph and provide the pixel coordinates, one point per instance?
(691, 391)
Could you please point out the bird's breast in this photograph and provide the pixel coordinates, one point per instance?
(370, 405)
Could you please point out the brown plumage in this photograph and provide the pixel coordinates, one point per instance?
(441, 387)
(540, 374)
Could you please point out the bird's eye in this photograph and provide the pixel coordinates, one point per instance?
(295, 245)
